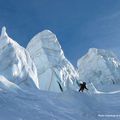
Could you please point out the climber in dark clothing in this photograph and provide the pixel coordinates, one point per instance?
(83, 86)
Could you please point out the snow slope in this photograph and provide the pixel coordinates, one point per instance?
(59, 106)
(52, 66)
(18, 80)
(7, 86)
(16, 66)
(101, 67)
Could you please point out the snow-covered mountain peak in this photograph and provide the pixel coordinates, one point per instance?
(100, 67)
(95, 52)
(100, 52)
(92, 50)
(3, 32)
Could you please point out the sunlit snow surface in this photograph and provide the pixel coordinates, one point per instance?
(101, 67)
(21, 98)
(69, 105)
(15, 64)
(52, 66)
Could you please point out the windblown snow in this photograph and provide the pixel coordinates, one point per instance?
(52, 66)
(24, 74)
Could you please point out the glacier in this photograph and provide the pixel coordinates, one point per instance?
(54, 70)
(29, 78)
(16, 66)
(100, 67)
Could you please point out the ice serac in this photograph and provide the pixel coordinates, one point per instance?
(100, 67)
(16, 66)
(55, 72)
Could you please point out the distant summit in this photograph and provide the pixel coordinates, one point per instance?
(100, 67)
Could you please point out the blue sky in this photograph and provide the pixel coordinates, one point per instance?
(78, 24)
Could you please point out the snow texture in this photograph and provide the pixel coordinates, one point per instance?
(21, 98)
(52, 66)
(101, 67)
(59, 106)
(16, 65)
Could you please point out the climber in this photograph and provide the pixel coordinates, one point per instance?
(82, 86)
